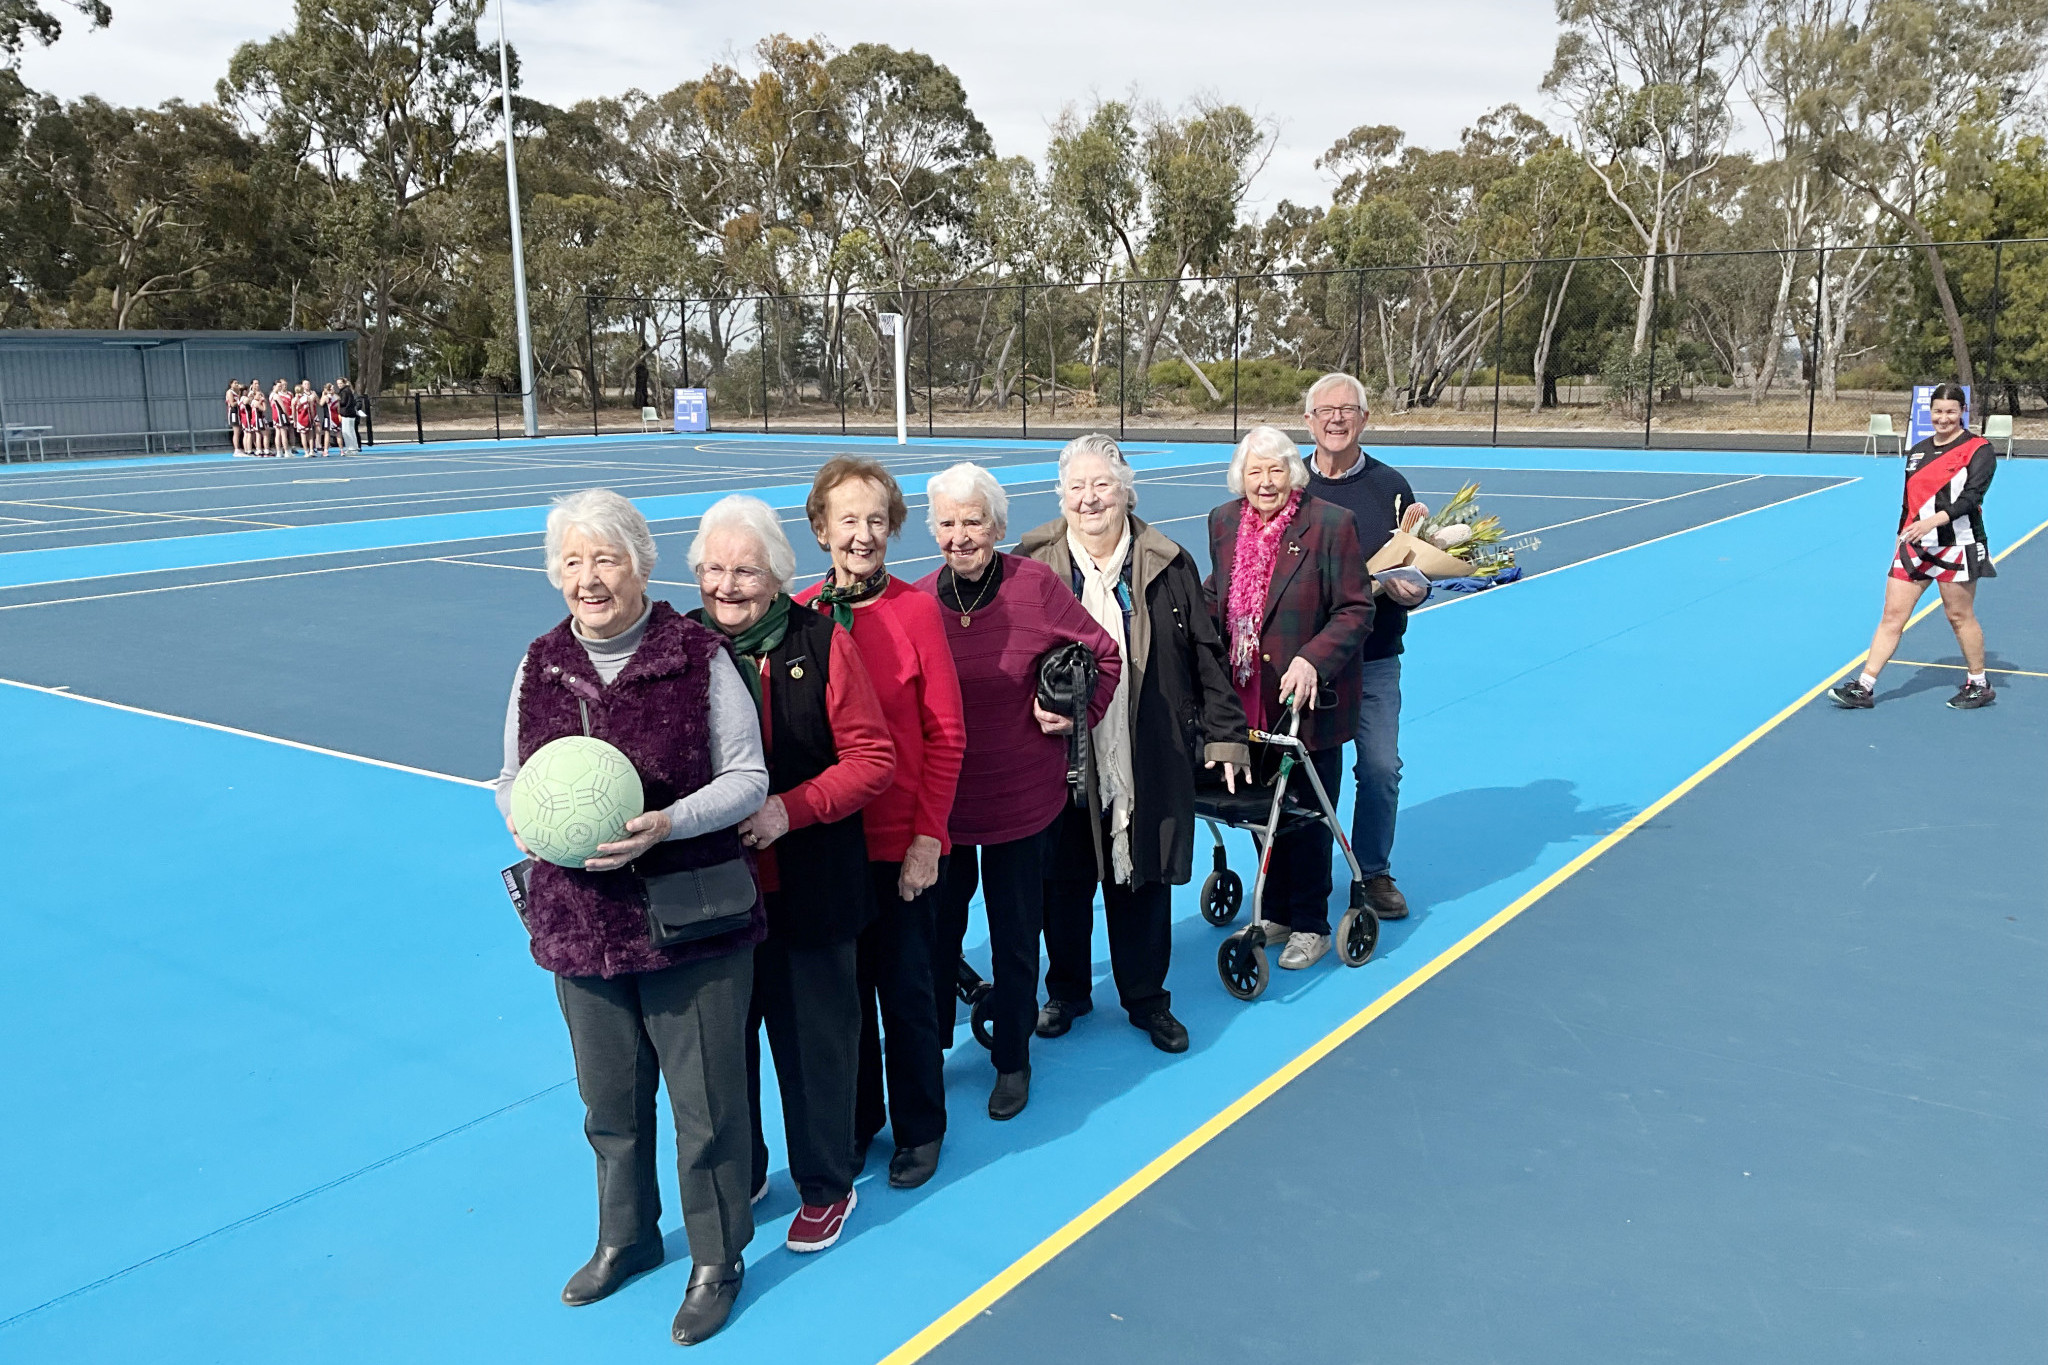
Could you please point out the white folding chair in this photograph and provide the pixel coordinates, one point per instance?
(1881, 431)
(650, 419)
(1998, 427)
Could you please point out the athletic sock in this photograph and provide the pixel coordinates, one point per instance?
(1869, 681)
(1980, 680)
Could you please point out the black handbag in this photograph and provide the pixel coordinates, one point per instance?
(681, 907)
(1066, 684)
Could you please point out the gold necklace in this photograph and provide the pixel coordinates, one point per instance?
(967, 612)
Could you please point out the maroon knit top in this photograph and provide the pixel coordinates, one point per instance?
(1013, 780)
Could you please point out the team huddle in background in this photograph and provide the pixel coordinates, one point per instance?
(291, 419)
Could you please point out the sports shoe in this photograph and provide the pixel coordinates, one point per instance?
(1385, 898)
(1853, 696)
(1972, 695)
(760, 1194)
(818, 1226)
(1303, 950)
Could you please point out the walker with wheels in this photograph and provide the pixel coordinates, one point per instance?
(1266, 813)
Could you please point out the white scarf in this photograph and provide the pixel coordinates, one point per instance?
(1113, 735)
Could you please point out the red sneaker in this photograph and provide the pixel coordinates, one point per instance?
(817, 1226)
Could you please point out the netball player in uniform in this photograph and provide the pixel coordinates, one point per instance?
(302, 416)
(281, 418)
(330, 419)
(1941, 541)
(255, 435)
(234, 403)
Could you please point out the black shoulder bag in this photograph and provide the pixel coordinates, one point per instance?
(1066, 684)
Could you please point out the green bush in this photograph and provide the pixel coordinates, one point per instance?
(1260, 384)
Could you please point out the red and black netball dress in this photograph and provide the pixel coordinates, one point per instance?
(1950, 479)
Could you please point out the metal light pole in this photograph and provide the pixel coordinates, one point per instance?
(526, 400)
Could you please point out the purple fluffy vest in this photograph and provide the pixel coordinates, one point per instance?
(657, 712)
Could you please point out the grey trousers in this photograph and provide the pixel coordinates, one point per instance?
(685, 1026)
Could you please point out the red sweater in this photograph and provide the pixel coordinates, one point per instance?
(911, 668)
(861, 735)
(1014, 779)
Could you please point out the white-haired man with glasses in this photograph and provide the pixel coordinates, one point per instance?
(1376, 494)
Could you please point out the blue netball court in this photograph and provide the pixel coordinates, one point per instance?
(1718, 1033)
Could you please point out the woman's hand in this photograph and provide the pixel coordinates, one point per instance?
(515, 837)
(765, 825)
(1915, 530)
(1404, 593)
(1048, 722)
(920, 868)
(1298, 685)
(645, 830)
(1230, 774)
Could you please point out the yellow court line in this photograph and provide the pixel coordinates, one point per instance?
(1959, 668)
(1097, 1213)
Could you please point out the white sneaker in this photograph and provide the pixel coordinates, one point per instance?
(1304, 950)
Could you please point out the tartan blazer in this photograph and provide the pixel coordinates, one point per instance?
(1319, 607)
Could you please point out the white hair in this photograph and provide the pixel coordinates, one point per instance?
(1358, 393)
(967, 483)
(1111, 454)
(605, 517)
(738, 512)
(1272, 443)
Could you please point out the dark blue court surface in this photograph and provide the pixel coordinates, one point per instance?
(1759, 1082)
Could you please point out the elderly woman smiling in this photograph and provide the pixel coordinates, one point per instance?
(1289, 585)
(1173, 699)
(1002, 614)
(664, 691)
(829, 754)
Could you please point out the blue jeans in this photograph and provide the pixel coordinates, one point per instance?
(1376, 778)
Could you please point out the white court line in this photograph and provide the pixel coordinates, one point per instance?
(69, 695)
(1647, 502)
(223, 582)
(1624, 549)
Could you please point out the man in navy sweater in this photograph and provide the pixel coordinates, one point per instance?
(1376, 494)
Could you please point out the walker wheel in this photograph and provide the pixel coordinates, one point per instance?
(1241, 962)
(1222, 895)
(1358, 933)
(982, 1020)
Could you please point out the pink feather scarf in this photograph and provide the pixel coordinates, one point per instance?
(1251, 575)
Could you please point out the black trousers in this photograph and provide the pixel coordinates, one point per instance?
(899, 1034)
(686, 1027)
(810, 1000)
(1140, 937)
(1012, 881)
(1298, 875)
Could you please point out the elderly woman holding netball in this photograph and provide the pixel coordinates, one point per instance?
(664, 691)
(1289, 588)
(855, 510)
(1174, 702)
(1002, 614)
(829, 754)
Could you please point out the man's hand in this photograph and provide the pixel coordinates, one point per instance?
(1298, 685)
(644, 831)
(920, 868)
(765, 825)
(1404, 593)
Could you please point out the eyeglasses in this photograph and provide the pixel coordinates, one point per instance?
(746, 575)
(1331, 414)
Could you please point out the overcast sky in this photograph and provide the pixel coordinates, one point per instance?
(1316, 68)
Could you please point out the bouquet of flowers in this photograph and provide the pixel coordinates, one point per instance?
(1465, 532)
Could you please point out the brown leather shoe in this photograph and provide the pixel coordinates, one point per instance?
(1385, 898)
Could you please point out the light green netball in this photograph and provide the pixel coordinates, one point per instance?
(572, 795)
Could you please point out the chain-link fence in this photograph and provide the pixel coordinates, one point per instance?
(1746, 349)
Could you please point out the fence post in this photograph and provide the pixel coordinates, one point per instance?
(419, 426)
(1650, 382)
(1023, 366)
(686, 343)
(1991, 350)
(590, 355)
(929, 392)
(1236, 335)
(761, 349)
(1358, 329)
(1500, 317)
(1123, 343)
(1820, 290)
(497, 424)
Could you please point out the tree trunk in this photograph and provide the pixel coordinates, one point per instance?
(1215, 394)
(1553, 311)
(1959, 345)
(1154, 327)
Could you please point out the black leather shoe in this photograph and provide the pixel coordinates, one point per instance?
(1059, 1015)
(708, 1302)
(1385, 898)
(1167, 1032)
(912, 1166)
(1012, 1093)
(608, 1269)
